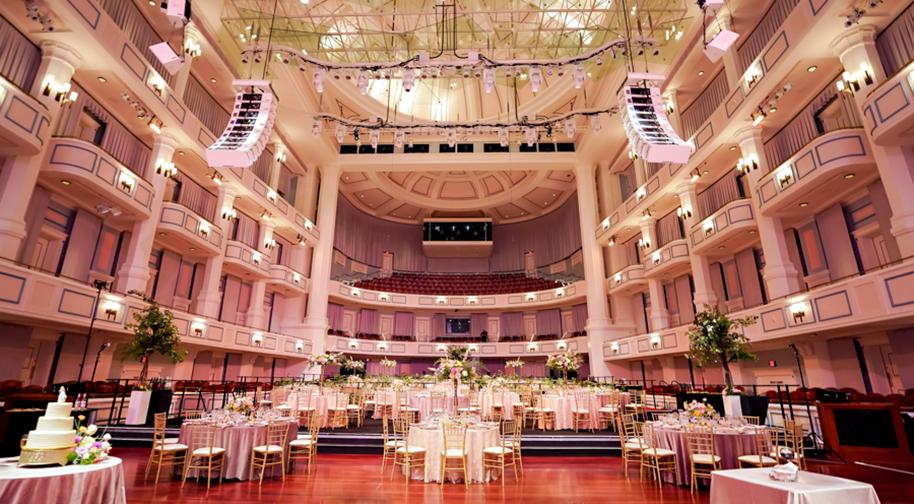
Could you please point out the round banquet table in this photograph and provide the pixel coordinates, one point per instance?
(563, 406)
(432, 439)
(100, 483)
(390, 398)
(320, 403)
(510, 399)
(239, 441)
(729, 446)
(423, 402)
(624, 399)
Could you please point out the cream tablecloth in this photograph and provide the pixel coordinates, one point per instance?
(753, 486)
(509, 399)
(239, 442)
(101, 483)
(563, 406)
(432, 440)
(728, 446)
(321, 403)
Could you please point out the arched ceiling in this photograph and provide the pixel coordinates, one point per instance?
(504, 196)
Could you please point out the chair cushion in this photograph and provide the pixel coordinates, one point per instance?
(410, 449)
(633, 445)
(580, 411)
(753, 459)
(283, 407)
(353, 407)
(545, 410)
(394, 443)
(299, 442)
(171, 440)
(659, 452)
(171, 447)
(303, 436)
(608, 409)
(498, 450)
(205, 451)
(268, 448)
(453, 452)
(635, 406)
(702, 458)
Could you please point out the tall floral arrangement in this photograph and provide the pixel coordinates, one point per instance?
(388, 363)
(452, 369)
(243, 405)
(568, 361)
(517, 363)
(354, 365)
(323, 359)
(714, 338)
(153, 333)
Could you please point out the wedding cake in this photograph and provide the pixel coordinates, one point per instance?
(55, 428)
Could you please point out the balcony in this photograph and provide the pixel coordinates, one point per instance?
(185, 230)
(729, 229)
(85, 172)
(242, 260)
(818, 175)
(670, 260)
(24, 124)
(287, 281)
(282, 212)
(889, 109)
(568, 295)
(437, 349)
(628, 281)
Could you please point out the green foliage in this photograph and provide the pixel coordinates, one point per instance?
(153, 333)
(716, 339)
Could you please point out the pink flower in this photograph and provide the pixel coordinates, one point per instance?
(82, 451)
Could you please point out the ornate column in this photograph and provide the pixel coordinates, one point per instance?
(731, 66)
(660, 316)
(321, 259)
(209, 300)
(255, 314)
(701, 268)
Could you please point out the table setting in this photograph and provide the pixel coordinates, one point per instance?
(429, 434)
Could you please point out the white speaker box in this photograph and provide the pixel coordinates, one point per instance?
(167, 57)
(712, 7)
(717, 47)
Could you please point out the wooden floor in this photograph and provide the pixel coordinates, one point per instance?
(356, 479)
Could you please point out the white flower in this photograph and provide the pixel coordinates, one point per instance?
(106, 437)
(92, 430)
(464, 373)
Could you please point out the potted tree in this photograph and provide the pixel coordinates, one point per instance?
(715, 338)
(154, 332)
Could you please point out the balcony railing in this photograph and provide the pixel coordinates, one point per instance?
(130, 19)
(19, 57)
(764, 30)
(702, 107)
(896, 43)
(205, 107)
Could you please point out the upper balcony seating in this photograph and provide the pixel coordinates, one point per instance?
(457, 285)
(464, 339)
(519, 337)
(397, 337)
(554, 337)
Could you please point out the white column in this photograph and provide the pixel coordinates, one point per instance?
(640, 172)
(671, 96)
(20, 173)
(179, 82)
(255, 314)
(321, 259)
(701, 268)
(780, 273)
(208, 301)
(660, 316)
(279, 154)
(309, 192)
(731, 67)
(895, 164)
(134, 273)
(598, 325)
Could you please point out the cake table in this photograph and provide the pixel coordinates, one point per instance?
(100, 483)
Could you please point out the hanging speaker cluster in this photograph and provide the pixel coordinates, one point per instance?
(248, 130)
(648, 128)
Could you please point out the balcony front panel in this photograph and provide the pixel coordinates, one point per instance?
(245, 261)
(570, 294)
(44, 300)
(823, 171)
(671, 260)
(24, 122)
(729, 229)
(628, 281)
(282, 212)
(287, 281)
(186, 231)
(85, 172)
(889, 110)
(883, 298)
(435, 349)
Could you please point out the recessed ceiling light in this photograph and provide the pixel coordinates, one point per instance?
(180, 153)
(772, 110)
(161, 233)
(701, 72)
(152, 3)
(751, 231)
(213, 79)
(812, 68)
(803, 204)
(732, 147)
(237, 197)
(192, 248)
(849, 176)
(721, 247)
(102, 80)
(704, 172)
(65, 182)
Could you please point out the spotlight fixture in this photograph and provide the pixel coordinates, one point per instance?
(536, 79)
(451, 137)
(374, 136)
(317, 79)
(489, 79)
(612, 240)
(340, 132)
(398, 139)
(695, 174)
(759, 117)
(300, 239)
(265, 215)
(361, 82)
(578, 75)
(595, 124)
(646, 214)
(316, 127)
(155, 125)
(531, 136)
(570, 127)
(409, 79)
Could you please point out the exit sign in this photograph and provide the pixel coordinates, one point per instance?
(772, 363)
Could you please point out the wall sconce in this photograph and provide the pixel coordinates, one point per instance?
(531, 347)
(229, 214)
(646, 215)
(384, 296)
(280, 157)
(605, 224)
(695, 174)
(255, 258)
(166, 169)
(758, 117)
(644, 243)
(847, 84)
(257, 339)
(559, 293)
(48, 85)
(612, 240)
(270, 244)
(655, 341)
(301, 240)
(442, 348)
(355, 292)
(614, 348)
(198, 328)
(531, 296)
(217, 178)
(382, 346)
(784, 177)
(353, 345)
(474, 348)
(308, 225)
(441, 301)
(752, 78)
(65, 96)
(271, 196)
(126, 182)
(684, 212)
(156, 124)
(708, 227)
(265, 215)
(668, 108)
(867, 75)
(299, 346)
(618, 278)
(656, 258)
(798, 310)
(111, 309)
(641, 194)
(204, 229)
(561, 345)
(296, 279)
(632, 155)
(472, 301)
(158, 85)
(192, 48)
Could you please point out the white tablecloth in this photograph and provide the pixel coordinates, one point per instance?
(563, 406)
(239, 443)
(101, 483)
(320, 403)
(753, 486)
(433, 441)
(510, 399)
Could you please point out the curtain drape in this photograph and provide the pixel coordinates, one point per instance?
(263, 166)
(247, 230)
(630, 249)
(286, 247)
(627, 181)
(511, 324)
(404, 324)
(364, 238)
(285, 185)
(770, 23)
(439, 325)
(335, 316)
(369, 321)
(702, 107)
(668, 229)
(896, 43)
(19, 57)
(205, 107)
(196, 197)
(549, 321)
(134, 25)
(579, 317)
(478, 323)
(551, 237)
(717, 195)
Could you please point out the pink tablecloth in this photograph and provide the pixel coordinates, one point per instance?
(321, 403)
(432, 440)
(101, 483)
(423, 402)
(753, 486)
(564, 418)
(729, 447)
(510, 399)
(624, 398)
(239, 442)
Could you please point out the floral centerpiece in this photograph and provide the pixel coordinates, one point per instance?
(243, 405)
(568, 361)
(388, 363)
(514, 363)
(354, 365)
(323, 360)
(89, 449)
(700, 410)
(451, 369)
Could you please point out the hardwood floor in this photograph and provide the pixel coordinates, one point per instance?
(351, 479)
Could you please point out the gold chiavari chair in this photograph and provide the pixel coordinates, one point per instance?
(455, 436)
(405, 410)
(261, 398)
(654, 458)
(542, 415)
(208, 457)
(304, 409)
(438, 398)
(496, 457)
(581, 411)
(498, 405)
(339, 412)
(529, 410)
(391, 443)
(608, 415)
(793, 439)
(273, 453)
(636, 405)
(193, 414)
(356, 408)
(701, 454)
(305, 447)
(164, 453)
(765, 450)
(409, 457)
(472, 403)
(751, 420)
(518, 408)
(383, 404)
(515, 444)
(631, 441)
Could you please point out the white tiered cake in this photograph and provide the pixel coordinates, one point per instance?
(55, 428)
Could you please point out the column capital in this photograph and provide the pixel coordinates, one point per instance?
(685, 188)
(746, 134)
(859, 36)
(167, 140)
(51, 49)
(227, 191)
(331, 171)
